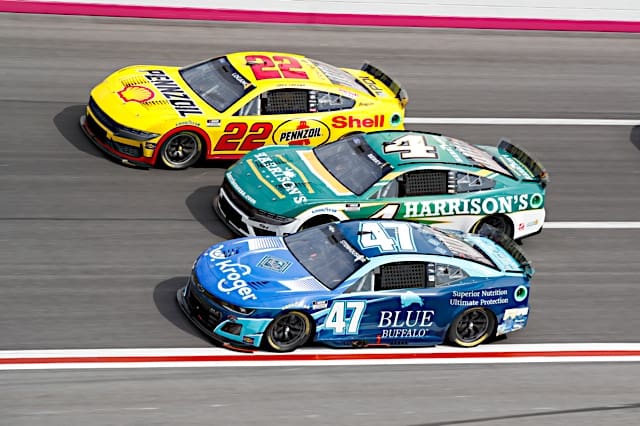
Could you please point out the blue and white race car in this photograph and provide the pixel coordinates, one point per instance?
(360, 283)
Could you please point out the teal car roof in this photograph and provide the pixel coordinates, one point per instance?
(441, 149)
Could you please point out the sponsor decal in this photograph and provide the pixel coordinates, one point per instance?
(138, 94)
(240, 79)
(248, 340)
(516, 167)
(320, 304)
(409, 298)
(479, 297)
(373, 86)
(350, 122)
(475, 206)
(274, 264)
(352, 207)
(405, 324)
(177, 97)
(188, 123)
(301, 132)
(512, 320)
(283, 175)
(213, 122)
(233, 281)
(520, 293)
(234, 183)
(215, 253)
(296, 305)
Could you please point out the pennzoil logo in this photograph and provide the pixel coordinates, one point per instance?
(136, 94)
(301, 132)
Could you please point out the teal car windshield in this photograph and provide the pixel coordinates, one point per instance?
(217, 82)
(326, 254)
(353, 163)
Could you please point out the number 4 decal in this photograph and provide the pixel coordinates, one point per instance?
(386, 236)
(337, 317)
(411, 146)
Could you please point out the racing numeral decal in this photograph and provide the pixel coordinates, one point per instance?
(234, 133)
(387, 212)
(338, 321)
(386, 236)
(411, 146)
(264, 67)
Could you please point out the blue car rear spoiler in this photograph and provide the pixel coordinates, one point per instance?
(509, 246)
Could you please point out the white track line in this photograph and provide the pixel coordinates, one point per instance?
(523, 121)
(217, 357)
(592, 225)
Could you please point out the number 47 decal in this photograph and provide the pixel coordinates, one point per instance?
(338, 321)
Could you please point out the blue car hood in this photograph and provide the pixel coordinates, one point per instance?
(255, 273)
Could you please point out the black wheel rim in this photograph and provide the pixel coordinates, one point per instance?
(500, 223)
(289, 331)
(472, 326)
(180, 149)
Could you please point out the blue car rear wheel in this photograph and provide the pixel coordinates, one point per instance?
(471, 327)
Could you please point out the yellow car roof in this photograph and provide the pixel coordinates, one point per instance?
(278, 68)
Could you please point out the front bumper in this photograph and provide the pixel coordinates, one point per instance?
(212, 321)
(130, 155)
(237, 219)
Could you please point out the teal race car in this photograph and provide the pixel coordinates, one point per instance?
(408, 175)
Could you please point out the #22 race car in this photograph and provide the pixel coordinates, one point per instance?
(416, 176)
(226, 106)
(360, 284)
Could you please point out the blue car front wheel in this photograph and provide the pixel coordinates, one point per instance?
(288, 331)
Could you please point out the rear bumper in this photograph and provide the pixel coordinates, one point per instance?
(108, 148)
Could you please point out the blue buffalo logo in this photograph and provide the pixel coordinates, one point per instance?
(409, 298)
(274, 264)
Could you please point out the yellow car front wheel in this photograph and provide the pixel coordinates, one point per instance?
(181, 150)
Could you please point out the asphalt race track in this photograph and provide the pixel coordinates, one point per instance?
(92, 252)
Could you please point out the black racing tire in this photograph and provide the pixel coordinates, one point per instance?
(498, 221)
(472, 327)
(318, 220)
(288, 331)
(181, 150)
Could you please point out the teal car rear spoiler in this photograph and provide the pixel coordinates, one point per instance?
(510, 246)
(535, 167)
(376, 72)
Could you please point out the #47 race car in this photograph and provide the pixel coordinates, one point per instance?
(418, 176)
(360, 284)
(226, 106)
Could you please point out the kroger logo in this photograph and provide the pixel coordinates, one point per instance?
(233, 280)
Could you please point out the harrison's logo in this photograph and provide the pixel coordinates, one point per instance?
(136, 94)
(301, 132)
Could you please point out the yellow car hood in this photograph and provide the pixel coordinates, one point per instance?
(143, 95)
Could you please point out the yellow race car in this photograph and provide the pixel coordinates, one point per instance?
(224, 107)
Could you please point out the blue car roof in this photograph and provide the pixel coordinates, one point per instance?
(425, 240)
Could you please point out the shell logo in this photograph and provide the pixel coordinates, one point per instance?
(136, 94)
(301, 132)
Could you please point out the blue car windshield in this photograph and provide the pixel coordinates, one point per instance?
(217, 82)
(353, 163)
(324, 252)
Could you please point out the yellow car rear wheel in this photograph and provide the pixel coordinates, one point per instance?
(181, 150)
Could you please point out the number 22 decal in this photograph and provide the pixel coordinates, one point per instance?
(234, 133)
(338, 321)
(264, 67)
